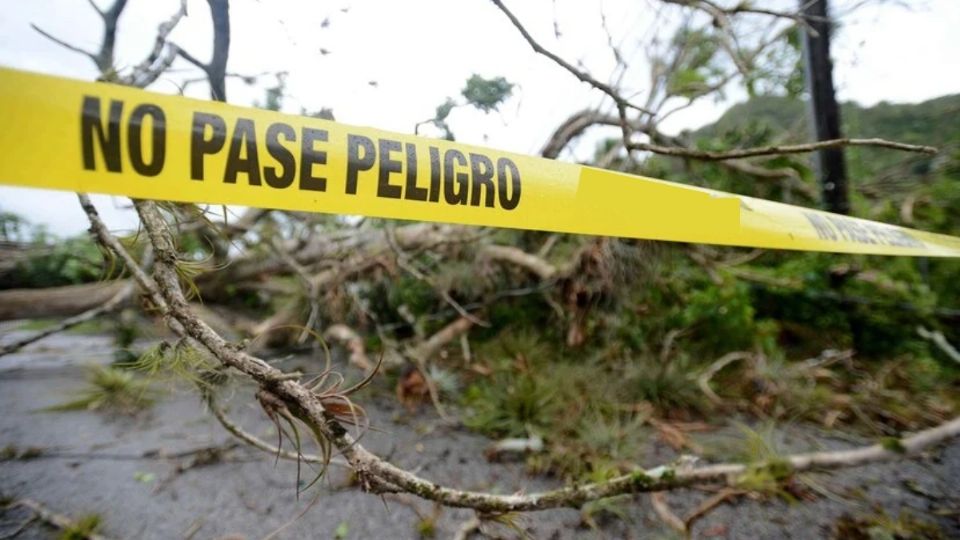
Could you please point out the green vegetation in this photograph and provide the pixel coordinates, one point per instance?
(881, 526)
(83, 528)
(111, 390)
(793, 314)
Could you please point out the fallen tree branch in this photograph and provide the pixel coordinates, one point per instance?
(66, 301)
(706, 155)
(375, 474)
(353, 245)
(517, 256)
(109, 306)
(351, 341)
(437, 341)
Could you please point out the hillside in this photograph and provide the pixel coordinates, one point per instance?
(932, 122)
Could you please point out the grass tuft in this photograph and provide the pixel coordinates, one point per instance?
(110, 390)
(83, 528)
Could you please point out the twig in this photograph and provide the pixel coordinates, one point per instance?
(147, 71)
(467, 528)
(573, 127)
(64, 44)
(938, 339)
(352, 341)
(434, 343)
(59, 521)
(703, 381)
(403, 261)
(20, 528)
(658, 500)
(257, 442)
(719, 12)
(103, 237)
(30, 453)
(579, 74)
(312, 289)
(104, 57)
(706, 506)
(429, 347)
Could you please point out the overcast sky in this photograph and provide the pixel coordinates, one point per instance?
(388, 63)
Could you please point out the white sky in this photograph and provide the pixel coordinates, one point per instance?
(421, 51)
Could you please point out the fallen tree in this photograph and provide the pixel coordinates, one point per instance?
(413, 290)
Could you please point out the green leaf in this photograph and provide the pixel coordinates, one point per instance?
(487, 94)
(144, 477)
(443, 110)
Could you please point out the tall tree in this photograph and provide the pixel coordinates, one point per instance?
(824, 110)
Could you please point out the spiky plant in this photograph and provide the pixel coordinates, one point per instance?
(111, 389)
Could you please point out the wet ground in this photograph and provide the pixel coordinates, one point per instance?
(143, 476)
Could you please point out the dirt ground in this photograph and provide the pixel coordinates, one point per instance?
(131, 472)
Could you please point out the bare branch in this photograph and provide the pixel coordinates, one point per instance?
(658, 500)
(445, 335)
(192, 59)
(403, 261)
(351, 340)
(145, 73)
(311, 289)
(95, 7)
(579, 74)
(706, 155)
(64, 44)
(572, 128)
(103, 58)
(102, 235)
(216, 69)
(719, 12)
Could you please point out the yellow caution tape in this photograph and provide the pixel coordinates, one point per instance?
(102, 138)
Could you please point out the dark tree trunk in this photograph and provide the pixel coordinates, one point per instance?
(824, 110)
(217, 68)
